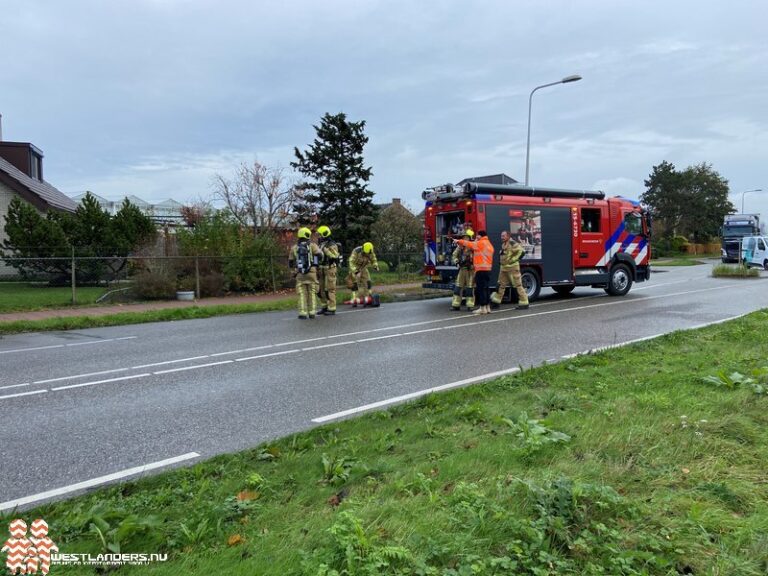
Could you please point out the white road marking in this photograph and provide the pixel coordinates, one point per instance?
(35, 348)
(23, 394)
(143, 366)
(102, 381)
(267, 355)
(80, 376)
(321, 346)
(14, 386)
(378, 338)
(13, 504)
(413, 395)
(195, 367)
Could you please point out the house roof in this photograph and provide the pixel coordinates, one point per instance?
(491, 179)
(37, 192)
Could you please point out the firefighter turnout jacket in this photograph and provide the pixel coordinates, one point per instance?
(510, 254)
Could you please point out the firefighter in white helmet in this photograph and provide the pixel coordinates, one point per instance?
(361, 258)
(464, 287)
(327, 271)
(303, 259)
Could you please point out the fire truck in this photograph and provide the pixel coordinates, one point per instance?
(571, 237)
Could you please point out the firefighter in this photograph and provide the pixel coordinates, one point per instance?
(327, 272)
(303, 259)
(462, 257)
(482, 261)
(361, 258)
(509, 271)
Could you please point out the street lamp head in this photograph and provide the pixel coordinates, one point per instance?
(573, 78)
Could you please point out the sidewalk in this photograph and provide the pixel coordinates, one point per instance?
(146, 306)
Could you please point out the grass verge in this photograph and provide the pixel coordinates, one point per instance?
(24, 296)
(125, 318)
(734, 271)
(676, 262)
(648, 459)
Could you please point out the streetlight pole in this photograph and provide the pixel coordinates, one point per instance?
(573, 78)
(742, 197)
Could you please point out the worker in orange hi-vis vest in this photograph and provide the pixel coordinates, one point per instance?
(482, 260)
(43, 544)
(19, 548)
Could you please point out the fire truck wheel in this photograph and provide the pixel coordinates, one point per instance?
(531, 283)
(620, 281)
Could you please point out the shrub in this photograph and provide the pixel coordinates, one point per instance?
(212, 284)
(154, 285)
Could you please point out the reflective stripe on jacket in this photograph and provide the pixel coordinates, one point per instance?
(482, 251)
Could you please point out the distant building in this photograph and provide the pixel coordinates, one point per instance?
(395, 202)
(492, 179)
(165, 212)
(21, 176)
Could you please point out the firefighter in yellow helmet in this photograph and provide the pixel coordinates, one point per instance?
(303, 259)
(361, 258)
(509, 271)
(329, 264)
(464, 286)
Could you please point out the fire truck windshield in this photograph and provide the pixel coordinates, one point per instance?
(633, 223)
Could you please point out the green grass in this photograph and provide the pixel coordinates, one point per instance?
(628, 461)
(734, 271)
(125, 318)
(23, 296)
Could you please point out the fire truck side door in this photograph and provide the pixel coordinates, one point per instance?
(590, 243)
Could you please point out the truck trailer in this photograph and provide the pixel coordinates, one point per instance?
(571, 237)
(735, 228)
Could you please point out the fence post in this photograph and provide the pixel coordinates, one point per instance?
(74, 289)
(197, 277)
(272, 271)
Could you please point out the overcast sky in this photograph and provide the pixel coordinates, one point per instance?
(153, 97)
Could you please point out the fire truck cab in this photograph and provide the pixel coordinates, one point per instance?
(571, 237)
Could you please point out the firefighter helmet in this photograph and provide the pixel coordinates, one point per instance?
(324, 231)
(368, 247)
(469, 233)
(305, 233)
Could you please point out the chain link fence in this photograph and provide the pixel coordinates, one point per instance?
(138, 278)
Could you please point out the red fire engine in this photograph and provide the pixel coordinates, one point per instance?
(571, 237)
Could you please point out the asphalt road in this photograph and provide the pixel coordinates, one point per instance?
(97, 405)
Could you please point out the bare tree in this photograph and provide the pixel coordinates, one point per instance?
(258, 196)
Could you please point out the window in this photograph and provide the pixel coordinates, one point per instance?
(590, 220)
(760, 244)
(35, 166)
(633, 223)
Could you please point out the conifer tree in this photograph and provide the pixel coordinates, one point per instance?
(336, 186)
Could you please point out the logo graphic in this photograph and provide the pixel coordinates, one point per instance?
(28, 555)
